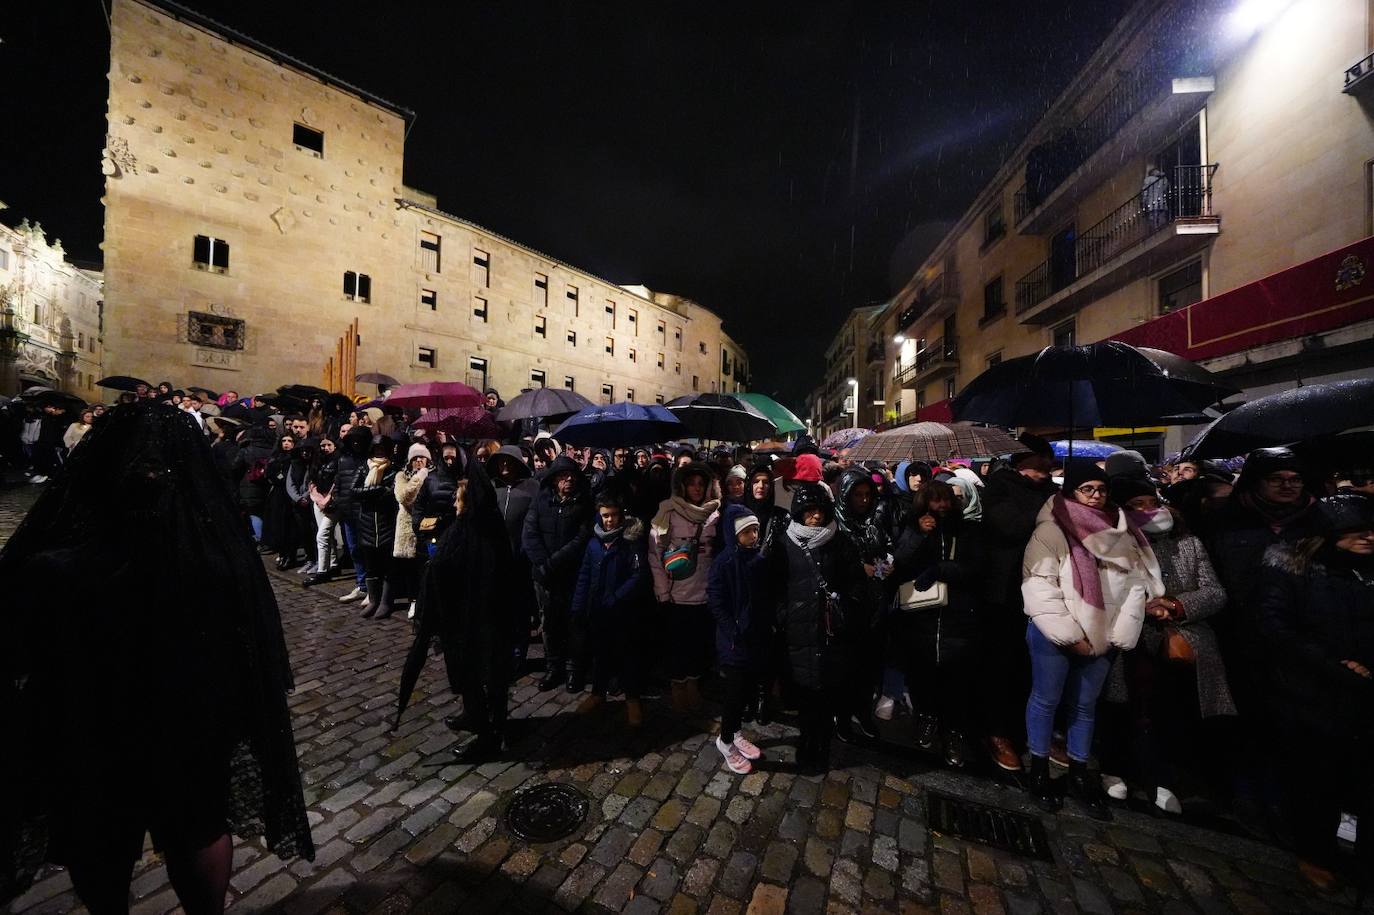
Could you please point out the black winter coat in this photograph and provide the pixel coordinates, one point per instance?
(822, 636)
(345, 475)
(252, 493)
(954, 554)
(376, 510)
(514, 503)
(736, 592)
(557, 530)
(435, 500)
(1011, 503)
(1310, 617)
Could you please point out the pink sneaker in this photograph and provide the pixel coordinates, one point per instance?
(747, 749)
(734, 759)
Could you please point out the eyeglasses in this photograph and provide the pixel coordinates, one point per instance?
(1091, 490)
(1293, 482)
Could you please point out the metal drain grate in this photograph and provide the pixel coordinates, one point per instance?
(547, 812)
(1013, 832)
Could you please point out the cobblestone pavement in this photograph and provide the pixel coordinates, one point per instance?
(400, 827)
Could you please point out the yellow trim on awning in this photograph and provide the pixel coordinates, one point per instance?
(1109, 432)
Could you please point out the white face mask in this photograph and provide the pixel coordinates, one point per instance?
(1158, 521)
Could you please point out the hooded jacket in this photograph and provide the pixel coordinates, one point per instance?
(773, 518)
(613, 581)
(1011, 505)
(670, 528)
(435, 498)
(736, 594)
(256, 448)
(376, 509)
(513, 499)
(868, 535)
(556, 530)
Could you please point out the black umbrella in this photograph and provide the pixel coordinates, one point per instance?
(50, 398)
(122, 383)
(377, 378)
(305, 392)
(1102, 384)
(338, 405)
(721, 417)
(1295, 415)
(543, 403)
(286, 403)
(415, 661)
(206, 391)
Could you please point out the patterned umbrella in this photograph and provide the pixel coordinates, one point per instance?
(1083, 448)
(844, 438)
(460, 422)
(934, 442)
(435, 394)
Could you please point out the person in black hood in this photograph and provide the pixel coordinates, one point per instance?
(374, 493)
(1314, 618)
(433, 507)
(352, 455)
(279, 523)
(515, 492)
(599, 469)
(759, 494)
(856, 504)
(249, 472)
(167, 678)
(303, 459)
(557, 527)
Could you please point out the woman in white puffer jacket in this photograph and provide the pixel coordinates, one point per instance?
(1086, 578)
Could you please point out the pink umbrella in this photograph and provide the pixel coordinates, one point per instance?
(435, 394)
(460, 422)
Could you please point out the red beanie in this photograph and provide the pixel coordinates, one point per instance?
(809, 468)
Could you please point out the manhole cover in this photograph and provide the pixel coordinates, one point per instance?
(1013, 832)
(548, 812)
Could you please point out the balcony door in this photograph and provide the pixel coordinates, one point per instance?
(1180, 163)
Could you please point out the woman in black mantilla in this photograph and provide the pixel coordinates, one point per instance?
(152, 698)
(467, 599)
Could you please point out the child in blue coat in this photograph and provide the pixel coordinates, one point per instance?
(733, 592)
(609, 603)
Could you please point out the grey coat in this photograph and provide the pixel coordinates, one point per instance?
(1189, 577)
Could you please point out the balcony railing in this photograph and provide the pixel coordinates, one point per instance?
(942, 288)
(875, 352)
(1159, 204)
(937, 352)
(1054, 160)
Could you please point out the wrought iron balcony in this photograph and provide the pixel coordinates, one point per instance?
(1181, 204)
(939, 356)
(937, 295)
(875, 352)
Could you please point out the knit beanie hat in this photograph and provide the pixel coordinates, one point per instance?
(417, 450)
(809, 469)
(745, 521)
(1126, 464)
(737, 472)
(1124, 489)
(1079, 472)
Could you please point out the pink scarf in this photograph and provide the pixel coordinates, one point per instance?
(1080, 523)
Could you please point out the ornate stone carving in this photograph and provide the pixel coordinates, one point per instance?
(118, 158)
(284, 219)
(214, 331)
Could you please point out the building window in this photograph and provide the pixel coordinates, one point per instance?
(479, 309)
(541, 290)
(427, 357)
(357, 286)
(537, 378)
(1180, 288)
(630, 394)
(610, 346)
(696, 385)
(994, 225)
(431, 298)
(702, 347)
(920, 400)
(1064, 334)
(725, 362)
(308, 140)
(658, 398)
(608, 392)
(634, 357)
(994, 305)
(81, 341)
(4, 259)
(633, 317)
(477, 373)
(572, 338)
(211, 254)
(429, 252)
(214, 331)
(541, 326)
(572, 297)
(570, 382)
(660, 362)
(677, 338)
(662, 331)
(481, 268)
(677, 368)
(949, 389)
(610, 314)
(994, 359)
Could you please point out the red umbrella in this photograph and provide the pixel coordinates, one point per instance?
(435, 394)
(460, 422)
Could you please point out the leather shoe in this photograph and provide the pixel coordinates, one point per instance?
(1086, 788)
(576, 682)
(927, 732)
(459, 722)
(555, 678)
(1004, 754)
(486, 748)
(315, 578)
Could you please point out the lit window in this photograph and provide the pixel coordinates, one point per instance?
(537, 378)
(479, 309)
(210, 254)
(429, 252)
(541, 326)
(608, 392)
(481, 268)
(427, 357)
(357, 286)
(308, 139)
(569, 382)
(431, 298)
(949, 388)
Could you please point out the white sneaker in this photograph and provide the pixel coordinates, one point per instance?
(410, 614)
(1167, 801)
(353, 595)
(38, 478)
(734, 759)
(1349, 827)
(307, 569)
(883, 710)
(1115, 787)
(746, 748)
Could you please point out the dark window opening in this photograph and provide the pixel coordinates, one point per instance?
(994, 302)
(1181, 288)
(427, 357)
(308, 139)
(358, 286)
(211, 253)
(431, 298)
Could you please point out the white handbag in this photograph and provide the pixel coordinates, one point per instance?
(937, 595)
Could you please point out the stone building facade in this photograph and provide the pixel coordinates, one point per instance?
(50, 316)
(1261, 138)
(855, 352)
(254, 207)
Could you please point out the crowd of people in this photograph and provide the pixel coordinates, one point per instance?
(1183, 625)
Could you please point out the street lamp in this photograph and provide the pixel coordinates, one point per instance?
(854, 384)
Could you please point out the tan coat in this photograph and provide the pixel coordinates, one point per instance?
(407, 488)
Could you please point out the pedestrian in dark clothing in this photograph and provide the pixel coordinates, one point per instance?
(1011, 501)
(910, 477)
(374, 494)
(759, 499)
(302, 509)
(819, 580)
(352, 456)
(515, 492)
(250, 475)
(279, 523)
(557, 528)
(856, 512)
(735, 592)
(610, 604)
(432, 510)
(1314, 617)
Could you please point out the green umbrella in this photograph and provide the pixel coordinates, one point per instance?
(780, 416)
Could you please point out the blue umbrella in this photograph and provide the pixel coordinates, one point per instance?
(1081, 448)
(617, 424)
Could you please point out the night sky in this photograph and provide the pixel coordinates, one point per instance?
(706, 149)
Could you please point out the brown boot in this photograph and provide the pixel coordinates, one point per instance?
(679, 697)
(590, 704)
(1317, 876)
(634, 713)
(1004, 754)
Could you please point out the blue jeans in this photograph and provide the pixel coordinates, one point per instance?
(256, 522)
(1059, 675)
(359, 567)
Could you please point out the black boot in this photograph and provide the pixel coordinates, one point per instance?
(1086, 787)
(927, 732)
(577, 680)
(384, 605)
(1038, 785)
(460, 722)
(486, 748)
(555, 677)
(374, 598)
